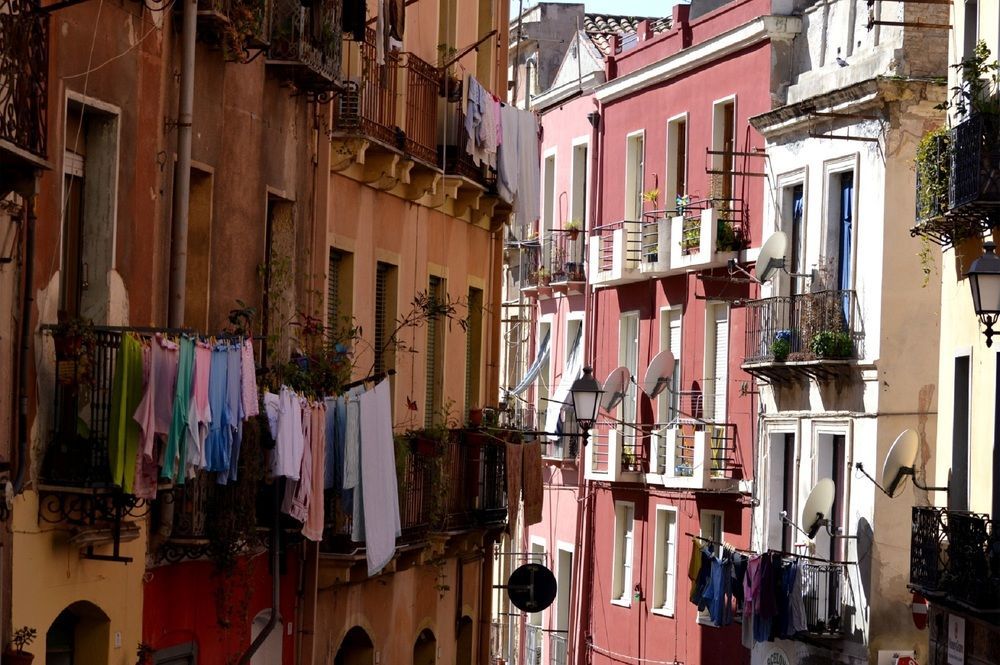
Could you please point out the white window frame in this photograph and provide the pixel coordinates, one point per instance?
(624, 551)
(719, 537)
(545, 371)
(664, 562)
(575, 212)
(833, 168)
(669, 195)
(666, 399)
(634, 182)
(784, 283)
(537, 619)
(549, 168)
(710, 389)
(718, 133)
(631, 392)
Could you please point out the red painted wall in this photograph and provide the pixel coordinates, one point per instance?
(192, 601)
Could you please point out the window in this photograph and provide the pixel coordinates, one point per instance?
(958, 495)
(199, 246)
(534, 629)
(549, 196)
(473, 348)
(668, 402)
(339, 292)
(665, 560)
(434, 369)
(278, 298)
(544, 372)
(970, 28)
(792, 223)
(723, 142)
(781, 483)
(622, 576)
(634, 175)
(386, 276)
(711, 525)
(91, 205)
(843, 230)
(564, 583)
(578, 205)
(676, 160)
(788, 489)
(628, 356)
(716, 362)
(537, 556)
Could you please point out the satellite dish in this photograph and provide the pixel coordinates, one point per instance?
(817, 509)
(899, 461)
(658, 374)
(614, 388)
(772, 256)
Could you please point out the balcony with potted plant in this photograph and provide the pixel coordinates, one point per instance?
(236, 26)
(24, 47)
(305, 43)
(791, 338)
(708, 232)
(957, 186)
(566, 259)
(616, 253)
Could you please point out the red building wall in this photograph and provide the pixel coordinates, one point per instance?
(195, 602)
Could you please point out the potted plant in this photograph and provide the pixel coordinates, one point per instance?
(476, 417)
(727, 240)
(782, 345)
(544, 276)
(15, 654)
(573, 228)
(832, 344)
(933, 166)
(651, 196)
(690, 239)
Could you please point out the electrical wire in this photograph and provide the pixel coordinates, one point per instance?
(625, 658)
(114, 57)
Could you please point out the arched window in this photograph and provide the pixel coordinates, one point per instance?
(269, 652)
(463, 654)
(355, 649)
(425, 648)
(78, 636)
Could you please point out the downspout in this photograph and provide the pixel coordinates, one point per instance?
(27, 301)
(272, 622)
(182, 172)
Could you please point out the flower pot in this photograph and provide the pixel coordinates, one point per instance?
(425, 447)
(573, 234)
(476, 417)
(15, 658)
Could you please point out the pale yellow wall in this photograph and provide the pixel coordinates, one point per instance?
(50, 575)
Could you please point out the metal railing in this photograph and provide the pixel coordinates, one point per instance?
(24, 63)
(809, 326)
(368, 105)
(457, 160)
(558, 651)
(634, 448)
(309, 38)
(826, 596)
(533, 644)
(422, 83)
(565, 259)
(975, 159)
(934, 180)
(631, 236)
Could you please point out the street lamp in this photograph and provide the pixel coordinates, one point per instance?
(984, 280)
(586, 392)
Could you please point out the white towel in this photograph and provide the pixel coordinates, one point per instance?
(378, 478)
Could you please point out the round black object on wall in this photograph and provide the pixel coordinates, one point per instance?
(532, 587)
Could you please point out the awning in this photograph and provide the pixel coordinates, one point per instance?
(574, 363)
(536, 367)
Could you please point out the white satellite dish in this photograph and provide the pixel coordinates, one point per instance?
(899, 461)
(658, 374)
(615, 387)
(816, 512)
(771, 258)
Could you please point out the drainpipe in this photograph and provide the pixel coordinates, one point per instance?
(272, 622)
(182, 172)
(22, 361)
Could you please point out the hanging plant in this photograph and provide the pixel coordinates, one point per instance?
(933, 167)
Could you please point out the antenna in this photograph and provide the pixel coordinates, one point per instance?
(899, 463)
(658, 374)
(615, 387)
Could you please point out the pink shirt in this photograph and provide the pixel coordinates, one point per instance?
(200, 413)
(156, 409)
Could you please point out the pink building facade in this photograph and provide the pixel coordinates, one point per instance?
(677, 201)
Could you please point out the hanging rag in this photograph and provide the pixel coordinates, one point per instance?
(175, 454)
(234, 404)
(312, 529)
(156, 410)
(694, 570)
(199, 412)
(219, 440)
(352, 463)
(533, 491)
(379, 484)
(248, 380)
(123, 430)
(297, 493)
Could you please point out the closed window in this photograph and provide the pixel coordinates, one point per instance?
(434, 351)
(634, 175)
(665, 560)
(622, 576)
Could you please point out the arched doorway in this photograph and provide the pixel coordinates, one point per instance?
(425, 648)
(78, 636)
(269, 652)
(463, 654)
(355, 649)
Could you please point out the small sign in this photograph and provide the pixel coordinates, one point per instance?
(777, 657)
(956, 640)
(532, 587)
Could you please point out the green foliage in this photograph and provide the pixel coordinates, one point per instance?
(780, 348)
(979, 80)
(832, 344)
(727, 239)
(933, 167)
(23, 636)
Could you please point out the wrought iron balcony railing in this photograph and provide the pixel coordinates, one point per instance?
(958, 182)
(24, 65)
(449, 485)
(802, 331)
(236, 25)
(457, 160)
(565, 258)
(422, 85)
(827, 598)
(306, 42)
(955, 558)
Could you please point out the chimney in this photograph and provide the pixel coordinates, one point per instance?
(679, 17)
(644, 30)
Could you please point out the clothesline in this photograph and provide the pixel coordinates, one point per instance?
(717, 543)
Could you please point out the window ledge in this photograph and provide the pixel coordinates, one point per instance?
(706, 621)
(621, 602)
(659, 611)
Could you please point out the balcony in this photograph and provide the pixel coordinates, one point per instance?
(24, 61)
(566, 263)
(958, 188)
(807, 335)
(616, 254)
(828, 599)
(446, 488)
(955, 559)
(707, 233)
(459, 166)
(237, 26)
(305, 43)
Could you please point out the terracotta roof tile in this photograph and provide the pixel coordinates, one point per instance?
(600, 28)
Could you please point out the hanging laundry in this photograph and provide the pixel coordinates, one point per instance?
(220, 433)
(200, 413)
(126, 394)
(284, 415)
(379, 484)
(534, 493)
(296, 500)
(156, 409)
(397, 18)
(234, 407)
(518, 163)
(694, 570)
(481, 123)
(175, 453)
(146, 468)
(248, 380)
(315, 509)
(353, 18)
